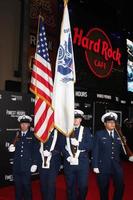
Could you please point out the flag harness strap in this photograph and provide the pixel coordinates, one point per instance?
(51, 149)
(80, 137)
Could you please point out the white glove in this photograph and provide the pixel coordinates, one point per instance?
(69, 158)
(72, 160)
(131, 158)
(11, 148)
(74, 142)
(33, 168)
(46, 153)
(96, 170)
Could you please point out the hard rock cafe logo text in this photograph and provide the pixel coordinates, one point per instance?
(99, 53)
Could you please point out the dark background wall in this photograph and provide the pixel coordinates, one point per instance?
(93, 95)
(12, 105)
(9, 40)
(15, 104)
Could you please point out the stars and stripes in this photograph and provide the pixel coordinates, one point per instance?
(42, 86)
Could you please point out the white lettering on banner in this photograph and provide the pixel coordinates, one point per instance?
(32, 100)
(16, 98)
(9, 177)
(123, 101)
(77, 105)
(87, 105)
(87, 117)
(12, 129)
(15, 113)
(104, 96)
(13, 99)
(117, 98)
(7, 144)
(10, 112)
(81, 94)
(33, 42)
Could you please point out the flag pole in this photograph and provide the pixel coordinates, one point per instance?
(36, 50)
(72, 134)
(37, 37)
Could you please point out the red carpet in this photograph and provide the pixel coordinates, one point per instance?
(7, 193)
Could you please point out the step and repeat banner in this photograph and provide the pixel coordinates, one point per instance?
(13, 105)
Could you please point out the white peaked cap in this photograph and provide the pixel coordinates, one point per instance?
(109, 116)
(24, 118)
(78, 113)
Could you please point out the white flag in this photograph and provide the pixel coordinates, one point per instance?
(63, 91)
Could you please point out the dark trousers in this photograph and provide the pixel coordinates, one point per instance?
(48, 183)
(103, 182)
(77, 182)
(23, 185)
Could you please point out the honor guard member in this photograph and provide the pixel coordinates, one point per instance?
(49, 162)
(24, 147)
(76, 159)
(106, 158)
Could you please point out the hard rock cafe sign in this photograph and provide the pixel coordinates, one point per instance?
(99, 53)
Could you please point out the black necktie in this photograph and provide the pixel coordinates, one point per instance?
(111, 135)
(23, 134)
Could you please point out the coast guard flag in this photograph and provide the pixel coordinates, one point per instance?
(42, 86)
(63, 91)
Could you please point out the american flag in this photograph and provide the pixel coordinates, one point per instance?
(42, 86)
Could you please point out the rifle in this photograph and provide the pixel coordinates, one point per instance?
(125, 146)
(17, 138)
